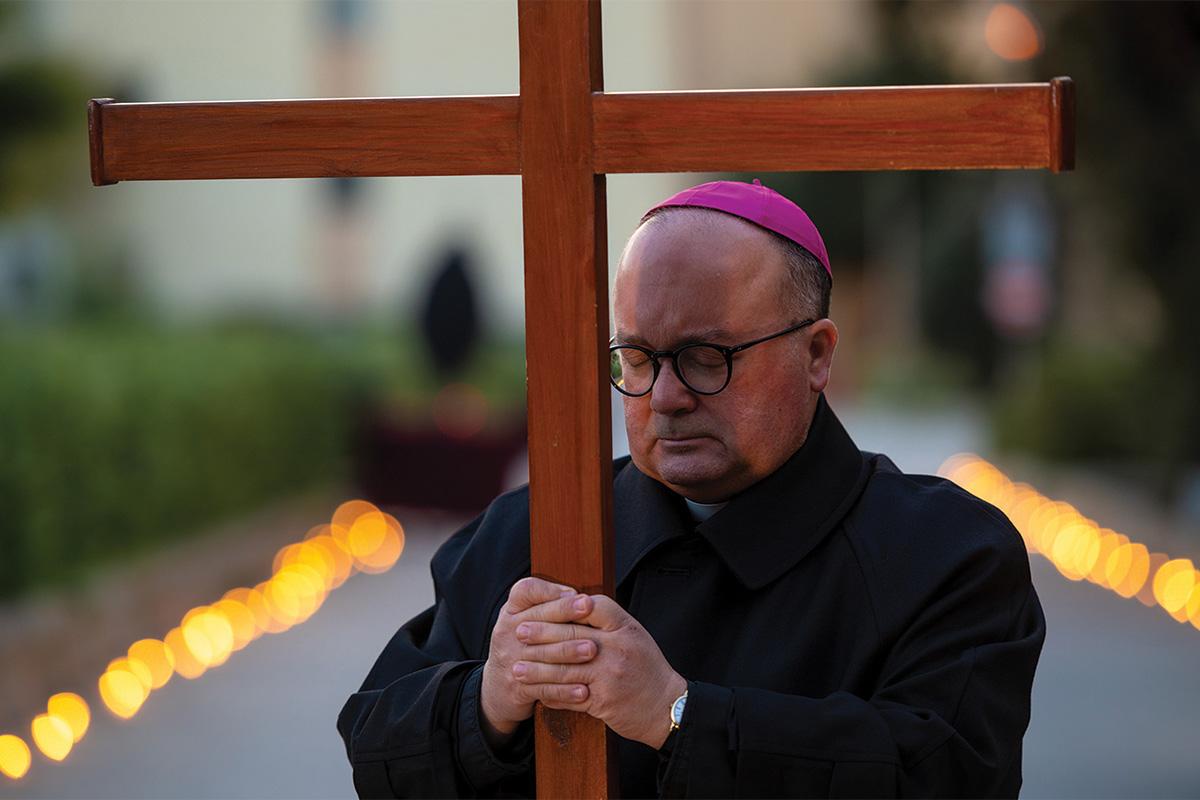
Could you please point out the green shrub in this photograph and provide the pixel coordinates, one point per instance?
(1078, 404)
(115, 440)
(112, 442)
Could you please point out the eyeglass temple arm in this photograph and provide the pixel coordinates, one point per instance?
(744, 345)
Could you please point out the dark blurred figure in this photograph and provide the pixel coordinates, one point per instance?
(450, 318)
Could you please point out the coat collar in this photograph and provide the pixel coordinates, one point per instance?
(765, 530)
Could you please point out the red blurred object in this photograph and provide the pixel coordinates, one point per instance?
(396, 464)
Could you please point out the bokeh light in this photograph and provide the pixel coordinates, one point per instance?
(135, 668)
(156, 657)
(186, 664)
(1078, 547)
(72, 709)
(1173, 584)
(359, 537)
(209, 636)
(52, 735)
(241, 621)
(122, 692)
(345, 515)
(14, 756)
(1012, 33)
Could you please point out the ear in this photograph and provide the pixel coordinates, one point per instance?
(821, 344)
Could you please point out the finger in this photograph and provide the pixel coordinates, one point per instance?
(535, 672)
(606, 614)
(567, 608)
(558, 695)
(529, 592)
(552, 632)
(573, 651)
(582, 708)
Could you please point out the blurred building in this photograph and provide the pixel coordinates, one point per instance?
(327, 248)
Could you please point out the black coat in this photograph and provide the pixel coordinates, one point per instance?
(846, 631)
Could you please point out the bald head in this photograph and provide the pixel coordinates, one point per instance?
(806, 284)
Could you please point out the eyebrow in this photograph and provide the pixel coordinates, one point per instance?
(705, 335)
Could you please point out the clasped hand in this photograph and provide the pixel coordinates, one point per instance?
(580, 653)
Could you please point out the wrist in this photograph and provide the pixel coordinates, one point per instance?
(496, 730)
(497, 727)
(676, 687)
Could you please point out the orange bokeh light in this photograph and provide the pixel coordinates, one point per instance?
(15, 756)
(360, 536)
(156, 657)
(135, 668)
(72, 709)
(1012, 33)
(241, 621)
(52, 735)
(122, 692)
(186, 664)
(346, 514)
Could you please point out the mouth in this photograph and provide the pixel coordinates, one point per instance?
(679, 441)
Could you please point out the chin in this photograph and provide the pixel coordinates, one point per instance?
(690, 476)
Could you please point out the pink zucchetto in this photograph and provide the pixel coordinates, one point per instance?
(755, 203)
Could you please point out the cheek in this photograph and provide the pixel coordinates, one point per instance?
(759, 427)
(637, 414)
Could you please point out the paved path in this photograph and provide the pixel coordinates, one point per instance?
(1116, 708)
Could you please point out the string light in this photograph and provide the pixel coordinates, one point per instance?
(359, 538)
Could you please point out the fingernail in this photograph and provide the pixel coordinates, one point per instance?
(583, 649)
(522, 631)
(519, 669)
(578, 692)
(581, 604)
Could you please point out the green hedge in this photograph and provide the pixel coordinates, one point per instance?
(117, 440)
(112, 442)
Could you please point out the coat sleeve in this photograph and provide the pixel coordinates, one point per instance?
(412, 729)
(945, 719)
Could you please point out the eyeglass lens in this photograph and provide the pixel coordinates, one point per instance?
(702, 368)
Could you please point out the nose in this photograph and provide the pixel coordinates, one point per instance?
(669, 396)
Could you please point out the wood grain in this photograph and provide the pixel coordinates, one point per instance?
(305, 138)
(566, 334)
(1003, 126)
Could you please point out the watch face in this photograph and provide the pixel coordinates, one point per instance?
(677, 709)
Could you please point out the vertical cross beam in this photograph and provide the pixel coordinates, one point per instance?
(566, 335)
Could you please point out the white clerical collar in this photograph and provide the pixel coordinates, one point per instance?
(702, 511)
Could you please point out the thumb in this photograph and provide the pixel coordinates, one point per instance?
(606, 614)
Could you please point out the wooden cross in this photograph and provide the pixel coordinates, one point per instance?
(563, 134)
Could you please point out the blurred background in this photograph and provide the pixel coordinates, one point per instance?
(213, 386)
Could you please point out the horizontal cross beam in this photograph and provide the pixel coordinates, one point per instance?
(1001, 126)
(304, 138)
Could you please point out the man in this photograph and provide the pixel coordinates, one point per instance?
(792, 617)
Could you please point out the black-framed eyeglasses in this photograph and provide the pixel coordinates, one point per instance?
(703, 367)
